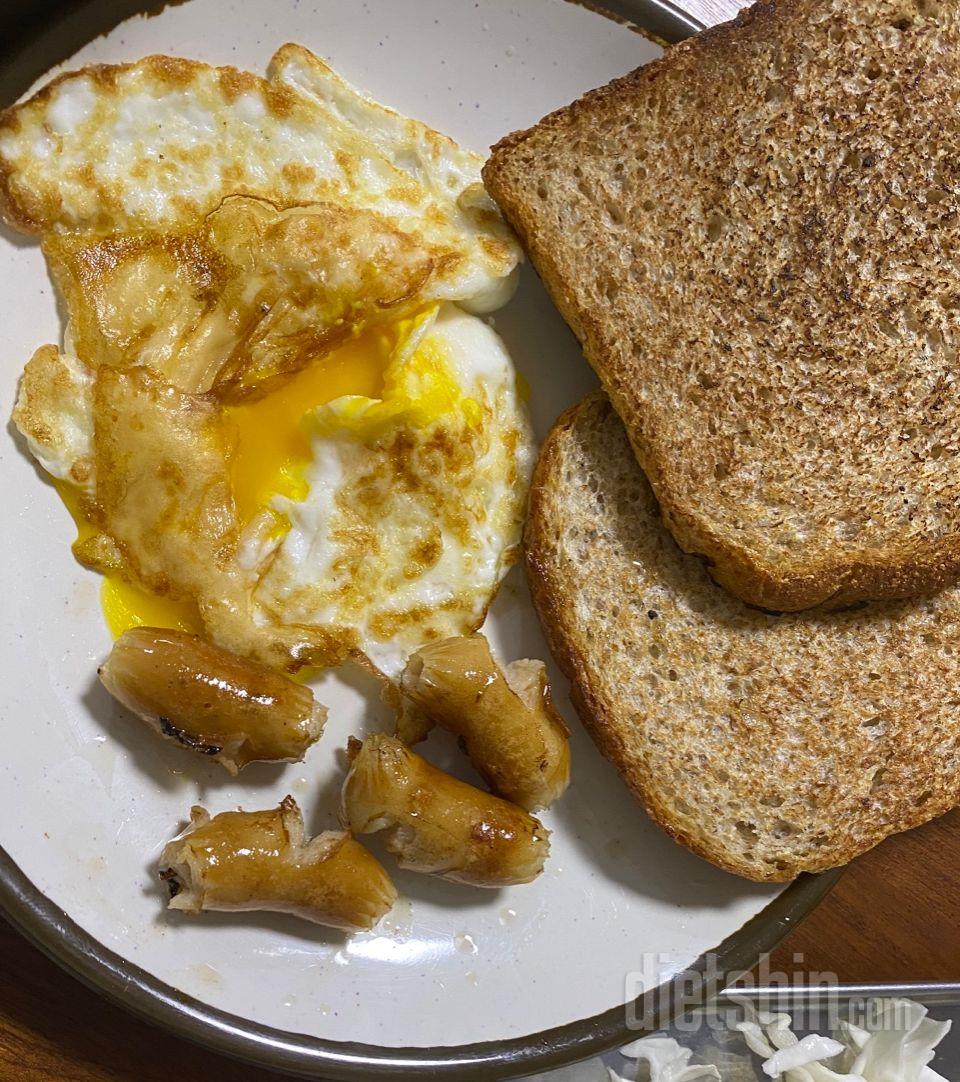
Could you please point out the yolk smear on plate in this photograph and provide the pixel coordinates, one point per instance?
(124, 604)
(70, 495)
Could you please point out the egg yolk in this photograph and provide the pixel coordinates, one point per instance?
(270, 453)
(124, 604)
(271, 447)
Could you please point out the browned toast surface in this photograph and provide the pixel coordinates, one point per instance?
(771, 745)
(755, 240)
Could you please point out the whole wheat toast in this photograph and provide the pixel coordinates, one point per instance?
(755, 240)
(771, 745)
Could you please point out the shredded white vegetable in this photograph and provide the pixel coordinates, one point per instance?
(897, 1048)
(667, 1061)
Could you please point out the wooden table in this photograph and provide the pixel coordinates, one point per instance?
(893, 917)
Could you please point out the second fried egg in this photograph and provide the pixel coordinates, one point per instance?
(378, 496)
(401, 522)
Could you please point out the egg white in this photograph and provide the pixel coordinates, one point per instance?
(310, 579)
(217, 237)
(158, 144)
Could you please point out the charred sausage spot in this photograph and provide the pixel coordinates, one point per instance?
(186, 739)
(170, 877)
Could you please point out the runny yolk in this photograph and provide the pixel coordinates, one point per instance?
(124, 604)
(271, 448)
(270, 452)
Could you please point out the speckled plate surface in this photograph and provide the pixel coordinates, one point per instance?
(87, 798)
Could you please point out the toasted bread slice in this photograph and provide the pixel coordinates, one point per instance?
(754, 239)
(771, 745)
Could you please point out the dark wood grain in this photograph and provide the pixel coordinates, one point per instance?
(894, 917)
(53, 1029)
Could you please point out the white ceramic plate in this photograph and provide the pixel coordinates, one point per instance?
(88, 797)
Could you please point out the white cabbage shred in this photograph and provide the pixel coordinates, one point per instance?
(898, 1048)
(666, 1060)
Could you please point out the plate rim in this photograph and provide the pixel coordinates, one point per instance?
(52, 931)
(126, 985)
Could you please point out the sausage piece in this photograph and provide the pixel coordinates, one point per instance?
(209, 700)
(436, 823)
(504, 717)
(244, 861)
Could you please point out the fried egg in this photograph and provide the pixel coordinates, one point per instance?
(274, 417)
(160, 143)
(249, 296)
(370, 504)
(409, 514)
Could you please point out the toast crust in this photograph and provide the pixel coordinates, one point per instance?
(847, 822)
(881, 519)
(562, 637)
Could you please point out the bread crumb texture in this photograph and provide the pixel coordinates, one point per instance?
(771, 745)
(755, 239)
